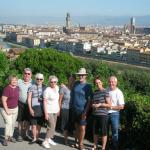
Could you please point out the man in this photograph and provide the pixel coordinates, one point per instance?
(81, 99)
(23, 113)
(117, 100)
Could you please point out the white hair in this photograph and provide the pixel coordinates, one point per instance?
(27, 69)
(39, 76)
(113, 78)
(52, 77)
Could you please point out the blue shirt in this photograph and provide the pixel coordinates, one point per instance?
(81, 95)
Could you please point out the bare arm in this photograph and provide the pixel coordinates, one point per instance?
(107, 103)
(4, 102)
(60, 100)
(30, 103)
(45, 108)
(119, 107)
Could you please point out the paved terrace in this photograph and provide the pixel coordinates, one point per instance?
(25, 146)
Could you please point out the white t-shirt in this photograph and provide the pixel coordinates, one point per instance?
(52, 96)
(116, 97)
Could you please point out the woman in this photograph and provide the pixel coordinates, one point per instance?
(35, 104)
(51, 109)
(64, 102)
(10, 97)
(100, 104)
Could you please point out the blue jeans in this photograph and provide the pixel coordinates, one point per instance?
(114, 123)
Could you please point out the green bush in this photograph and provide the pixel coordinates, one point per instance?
(48, 62)
(4, 68)
(135, 84)
(137, 124)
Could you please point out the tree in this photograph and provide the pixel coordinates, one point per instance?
(4, 68)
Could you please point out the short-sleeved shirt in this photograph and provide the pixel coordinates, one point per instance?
(116, 97)
(12, 95)
(100, 97)
(81, 94)
(66, 97)
(23, 90)
(37, 94)
(52, 96)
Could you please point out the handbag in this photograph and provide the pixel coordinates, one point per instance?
(38, 111)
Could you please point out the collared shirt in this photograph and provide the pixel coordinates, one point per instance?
(23, 90)
(37, 94)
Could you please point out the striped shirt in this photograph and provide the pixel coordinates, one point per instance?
(100, 97)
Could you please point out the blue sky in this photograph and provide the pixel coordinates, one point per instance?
(27, 11)
(75, 7)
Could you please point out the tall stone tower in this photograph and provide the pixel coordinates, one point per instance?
(132, 25)
(68, 21)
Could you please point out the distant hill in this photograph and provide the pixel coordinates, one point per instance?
(83, 20)
(112, 20)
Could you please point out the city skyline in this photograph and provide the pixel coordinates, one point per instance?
(46, 11)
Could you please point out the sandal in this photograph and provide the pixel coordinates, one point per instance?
(94, 148)
(81, 147)
(75, 145)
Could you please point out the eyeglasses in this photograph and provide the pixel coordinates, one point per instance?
(52, 81)
(97, 83)
(82, 75)
(27, 73)
(39, 79)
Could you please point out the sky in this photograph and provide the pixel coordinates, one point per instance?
(17, 9)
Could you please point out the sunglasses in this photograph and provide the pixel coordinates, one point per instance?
(82, 75)
(97, 82)
(27, 73)
(52, 81)
(39, 79)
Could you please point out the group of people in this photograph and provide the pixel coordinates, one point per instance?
(32, 103)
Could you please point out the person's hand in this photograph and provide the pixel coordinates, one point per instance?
(32, 112)
(8, 112)
(98, 105)
(93, 105)
(58, 114)
(83, 116)
(46, 116)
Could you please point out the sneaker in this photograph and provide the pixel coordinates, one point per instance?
(45, 144)
(19, 139)
(12, 139)
(5, 143)
(51, 142)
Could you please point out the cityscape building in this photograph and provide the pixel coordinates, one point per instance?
(132, 25)
(68, 21)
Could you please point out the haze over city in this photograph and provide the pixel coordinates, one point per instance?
(103, 12)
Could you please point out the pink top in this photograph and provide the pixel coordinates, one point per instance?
(13, 96)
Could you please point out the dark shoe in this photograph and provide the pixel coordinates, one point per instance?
(19, 139)
(32, 142)
(39, 142)
(12, 139)
(66, 143)
(5, 143)
(26, 138)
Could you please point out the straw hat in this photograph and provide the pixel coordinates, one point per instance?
(82, 71)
